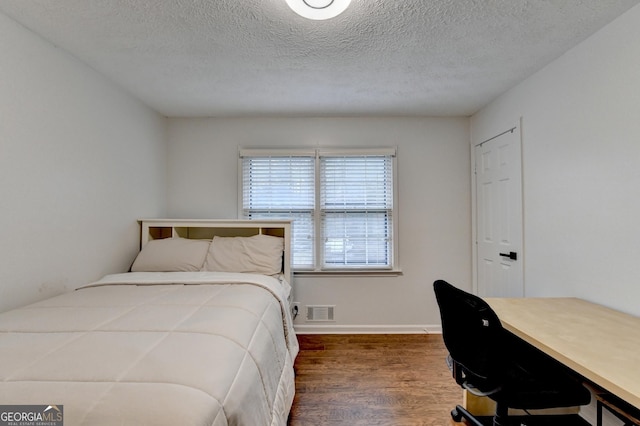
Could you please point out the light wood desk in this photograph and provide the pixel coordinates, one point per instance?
(601, 344)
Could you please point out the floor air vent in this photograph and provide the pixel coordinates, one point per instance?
(320, 313)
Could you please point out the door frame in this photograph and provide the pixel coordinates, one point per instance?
(474, 203)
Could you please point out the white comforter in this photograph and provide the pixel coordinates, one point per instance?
(155, 349)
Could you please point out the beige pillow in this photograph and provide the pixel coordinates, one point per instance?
(259, 254)
(171, 255)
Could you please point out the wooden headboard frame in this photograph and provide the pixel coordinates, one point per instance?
(152, 229)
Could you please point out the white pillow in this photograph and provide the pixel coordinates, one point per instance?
(171, 255)
(259, 254)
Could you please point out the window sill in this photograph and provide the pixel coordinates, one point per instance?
(350, 273)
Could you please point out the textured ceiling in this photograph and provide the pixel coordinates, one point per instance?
(256, 57)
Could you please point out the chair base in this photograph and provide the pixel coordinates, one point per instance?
(459, 413)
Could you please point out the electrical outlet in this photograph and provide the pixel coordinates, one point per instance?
(295, 309)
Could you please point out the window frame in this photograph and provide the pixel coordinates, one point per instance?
(318, 247)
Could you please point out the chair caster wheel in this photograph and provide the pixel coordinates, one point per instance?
(456, 416)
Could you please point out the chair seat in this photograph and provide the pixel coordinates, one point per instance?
(540, 388)
(539, 397)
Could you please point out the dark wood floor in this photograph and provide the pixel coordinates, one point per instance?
(370, 380)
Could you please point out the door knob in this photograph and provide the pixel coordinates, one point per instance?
(511, 255)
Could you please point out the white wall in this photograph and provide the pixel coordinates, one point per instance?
(434, 198)
(581, 161)
(80, 160)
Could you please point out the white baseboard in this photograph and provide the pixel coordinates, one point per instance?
(367, 329)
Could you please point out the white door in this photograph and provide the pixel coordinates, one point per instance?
(499, 216)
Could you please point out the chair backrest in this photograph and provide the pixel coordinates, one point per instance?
(471, 331)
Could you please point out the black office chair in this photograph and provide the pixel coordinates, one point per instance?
(487, 360)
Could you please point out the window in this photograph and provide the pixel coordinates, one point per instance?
(341, 203)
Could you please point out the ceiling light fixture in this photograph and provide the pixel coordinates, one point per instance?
(318, 9)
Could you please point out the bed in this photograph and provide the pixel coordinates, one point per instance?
(192, 335)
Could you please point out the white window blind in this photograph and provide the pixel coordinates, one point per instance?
(341, 203)
(283, 187)
(356, 204)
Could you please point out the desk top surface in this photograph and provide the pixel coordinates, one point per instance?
(599, 343)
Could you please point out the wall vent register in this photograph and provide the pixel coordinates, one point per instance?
(320, 313)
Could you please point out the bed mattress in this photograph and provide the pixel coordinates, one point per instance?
(174, 348)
